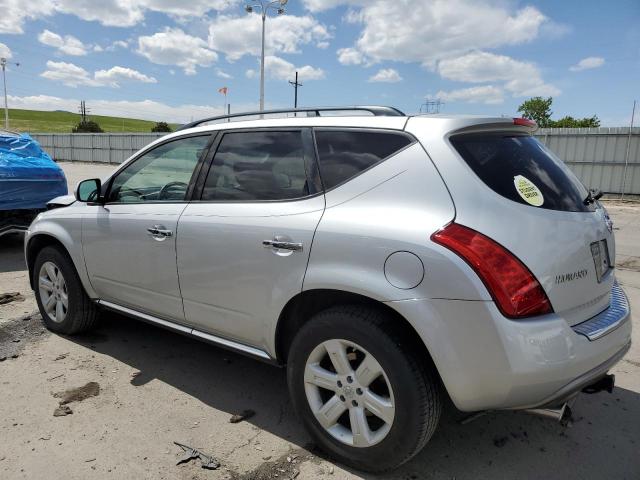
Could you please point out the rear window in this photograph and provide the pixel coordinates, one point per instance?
(345, 154)
(521, 169)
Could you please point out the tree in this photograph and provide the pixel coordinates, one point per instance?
(537, 109)
(570, 122)
(161, 127)
(87, 126)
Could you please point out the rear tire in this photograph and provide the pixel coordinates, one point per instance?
(62, 301)
(336, 399)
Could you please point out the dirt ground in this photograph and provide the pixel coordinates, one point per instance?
(134, 390)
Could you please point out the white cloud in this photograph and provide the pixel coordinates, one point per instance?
(521, 78)
(321, 5)
(174, 47)
(487, 94)
(280, 69)
(386, 75)
(68, 74)
(222, 74)
(587, 63)
(72, 75)
(5, 51)
(239, 36)
(439, 28)
(144, 109)
(68, 44)
(350, 56)
(15, 12)
(116, 45)
(116, 74)
(115, 13)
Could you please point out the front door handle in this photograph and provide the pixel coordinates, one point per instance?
(159, 232)
(281, 245)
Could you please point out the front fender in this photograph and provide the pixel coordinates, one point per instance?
(66, 231)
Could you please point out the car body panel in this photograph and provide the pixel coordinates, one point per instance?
(489, 362)
(232, 285)
(128, 266)
(398, 204)
(65, 226)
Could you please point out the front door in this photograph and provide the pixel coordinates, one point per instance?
(243, 248)
(130, 242)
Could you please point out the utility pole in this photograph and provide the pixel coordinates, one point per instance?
(83, 111)
(295, 86)
(3, 63)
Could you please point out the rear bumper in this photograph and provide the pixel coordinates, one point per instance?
(488, 362)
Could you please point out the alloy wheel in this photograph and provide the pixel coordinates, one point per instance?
(53, 292)
(349, 393)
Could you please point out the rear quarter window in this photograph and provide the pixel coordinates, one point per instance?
(522, 169)
(344, 154)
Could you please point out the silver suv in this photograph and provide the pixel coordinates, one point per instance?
(389, 261)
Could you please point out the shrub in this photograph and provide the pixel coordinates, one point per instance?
(161, 127)
(88, 126)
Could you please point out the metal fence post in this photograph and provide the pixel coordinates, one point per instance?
(626, 156)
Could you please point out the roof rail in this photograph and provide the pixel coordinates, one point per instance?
(375, 110)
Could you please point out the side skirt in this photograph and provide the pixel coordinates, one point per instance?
(219, 341)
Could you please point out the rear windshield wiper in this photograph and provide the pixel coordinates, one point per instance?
(594, 194)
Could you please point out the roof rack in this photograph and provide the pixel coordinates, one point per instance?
(375, 110)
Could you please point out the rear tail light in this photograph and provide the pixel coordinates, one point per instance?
(516, 291)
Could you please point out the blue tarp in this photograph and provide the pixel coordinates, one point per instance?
(28, 176)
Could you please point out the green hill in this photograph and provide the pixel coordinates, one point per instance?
(35, 121)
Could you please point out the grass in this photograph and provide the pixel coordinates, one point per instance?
(35, 121)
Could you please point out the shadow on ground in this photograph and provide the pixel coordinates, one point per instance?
(604, 438)
(11, 253)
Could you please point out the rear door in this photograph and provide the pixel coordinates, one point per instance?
(531, 203)
(243, 246)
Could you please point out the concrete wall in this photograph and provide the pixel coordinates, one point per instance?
(604, 158)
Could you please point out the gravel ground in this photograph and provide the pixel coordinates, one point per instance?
(133, 390)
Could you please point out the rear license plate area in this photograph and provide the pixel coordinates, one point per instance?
(600, 254)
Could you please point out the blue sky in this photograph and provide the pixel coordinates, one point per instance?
(165, 59)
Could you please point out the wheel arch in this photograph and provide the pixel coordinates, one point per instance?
(304, 305)
(39, 240)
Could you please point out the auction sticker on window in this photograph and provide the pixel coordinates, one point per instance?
(528, 191)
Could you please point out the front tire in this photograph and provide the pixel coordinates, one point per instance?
(62, 301)
(364, 395)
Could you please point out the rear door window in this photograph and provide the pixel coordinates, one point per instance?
(343, 154)
(257, 166)
(522, 169)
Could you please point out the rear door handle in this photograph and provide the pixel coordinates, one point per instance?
(159, 232)
(280, 245)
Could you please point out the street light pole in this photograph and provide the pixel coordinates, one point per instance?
(278, 6)
(3, 64)
(264, 22)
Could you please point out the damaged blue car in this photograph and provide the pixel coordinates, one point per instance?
(29, 178)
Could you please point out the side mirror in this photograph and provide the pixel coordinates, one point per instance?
(88, 190)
